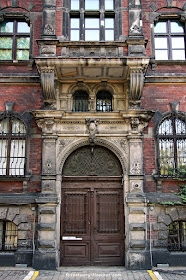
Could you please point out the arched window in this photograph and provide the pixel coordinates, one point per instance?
(8, 236)
(104, 101)
(12, 146)
(172, 145)
(80, 101)
(14, 40)
(177, 236)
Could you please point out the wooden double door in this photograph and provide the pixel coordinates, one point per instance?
(92, 221)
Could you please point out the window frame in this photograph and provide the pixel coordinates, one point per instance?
(175, 138)
(84, 93)
(4, 236)
(9, 138)
(102, 14)
(107, 106)
(179, 234)
(169, 35)
(15, 35)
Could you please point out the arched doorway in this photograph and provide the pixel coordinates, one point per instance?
(92, 214)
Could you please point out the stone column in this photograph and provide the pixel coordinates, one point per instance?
(47, 253)
(136, 255)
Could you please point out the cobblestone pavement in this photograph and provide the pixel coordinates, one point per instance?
(90, 273)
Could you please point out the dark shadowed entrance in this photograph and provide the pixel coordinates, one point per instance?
(92, 219)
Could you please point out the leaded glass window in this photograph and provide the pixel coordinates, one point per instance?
(177, 236)
(104, 101)
(14, 40)
(8, 236)
(169, 40)
(12, 147)
(172, 145)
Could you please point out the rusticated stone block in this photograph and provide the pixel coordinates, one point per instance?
(164, 219)
(137, 227)
(46, 227)
(12, 212)
(3, 212)
(24, 226)
(160, 243)
(47, 210)
(137, 244)
(173, 213)
(46, 244)
(159, 226)
(182, 213)
(137, 210)
(163, 235)
(20, 219)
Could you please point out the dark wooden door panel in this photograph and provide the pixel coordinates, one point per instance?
(92, 223)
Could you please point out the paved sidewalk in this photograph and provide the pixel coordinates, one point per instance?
(92, 273)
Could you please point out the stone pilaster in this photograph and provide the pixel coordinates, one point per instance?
(49, 19)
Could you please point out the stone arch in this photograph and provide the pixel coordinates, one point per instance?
(105, 86)
(74, 145)
(79, 87)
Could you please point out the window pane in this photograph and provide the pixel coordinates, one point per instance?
(23, 27)
(6, 42)
(180, 127)
(109, 5)
(178, 43)
(160, 27)
(74, 35)
(11, 236)
(161, 55)
(74, 23)
(109, 23)
(167, 165)
(22, 55)
(4, 127)
(74, 4)
(92, 23)
(178, 54)
(23, 43)
(17, 157)
(176, 27)
(5, 54)
(91, 35)
(6, 27)
(160, 43)
(181, 154)
(166, 128)
(109, 35)
(18, 127)
(3, 156)
(91, 4)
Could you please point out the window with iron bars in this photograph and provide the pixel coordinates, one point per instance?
(172, 145)
(177, 236)
(104, 101)
(8, 236)
(80, 101)
(12, 146)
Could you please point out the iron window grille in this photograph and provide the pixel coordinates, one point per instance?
(8, 236)
(12, 146)
(169, 39)
(14, 40)
(172, 145)
(80, 101)
(177, 236)
(92, 20)
(104, 101)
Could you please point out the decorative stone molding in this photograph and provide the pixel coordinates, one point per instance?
(138, 68)
(92, 129)
(135, 18)
(47, 83)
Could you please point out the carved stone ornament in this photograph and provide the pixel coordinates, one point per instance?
(134, 124)
(47, 82)
(138, 67)
(135, 27)
(92, 128)
(48, 30)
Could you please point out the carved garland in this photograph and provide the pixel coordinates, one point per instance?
(47, 82)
